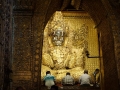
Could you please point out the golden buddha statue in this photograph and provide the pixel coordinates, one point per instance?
(60, 58)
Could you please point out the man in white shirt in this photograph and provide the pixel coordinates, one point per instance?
(85, 79)
(68, 79)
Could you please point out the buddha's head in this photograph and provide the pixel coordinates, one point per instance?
(58, 37)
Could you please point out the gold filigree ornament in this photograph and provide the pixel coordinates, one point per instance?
(79, 37)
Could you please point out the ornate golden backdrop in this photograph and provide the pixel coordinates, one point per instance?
(66, 38)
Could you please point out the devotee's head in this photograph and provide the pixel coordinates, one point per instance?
(48, 72)
(67, 73)
(85, 71)
(54, 87)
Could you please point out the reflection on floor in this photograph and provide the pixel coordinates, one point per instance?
(75, 87)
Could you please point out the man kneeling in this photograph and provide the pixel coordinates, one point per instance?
(85, 79)
(68, 79)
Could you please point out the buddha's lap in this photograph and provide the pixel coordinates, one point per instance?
(59, 74)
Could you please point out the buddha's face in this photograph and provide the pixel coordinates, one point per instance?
(58, 38)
